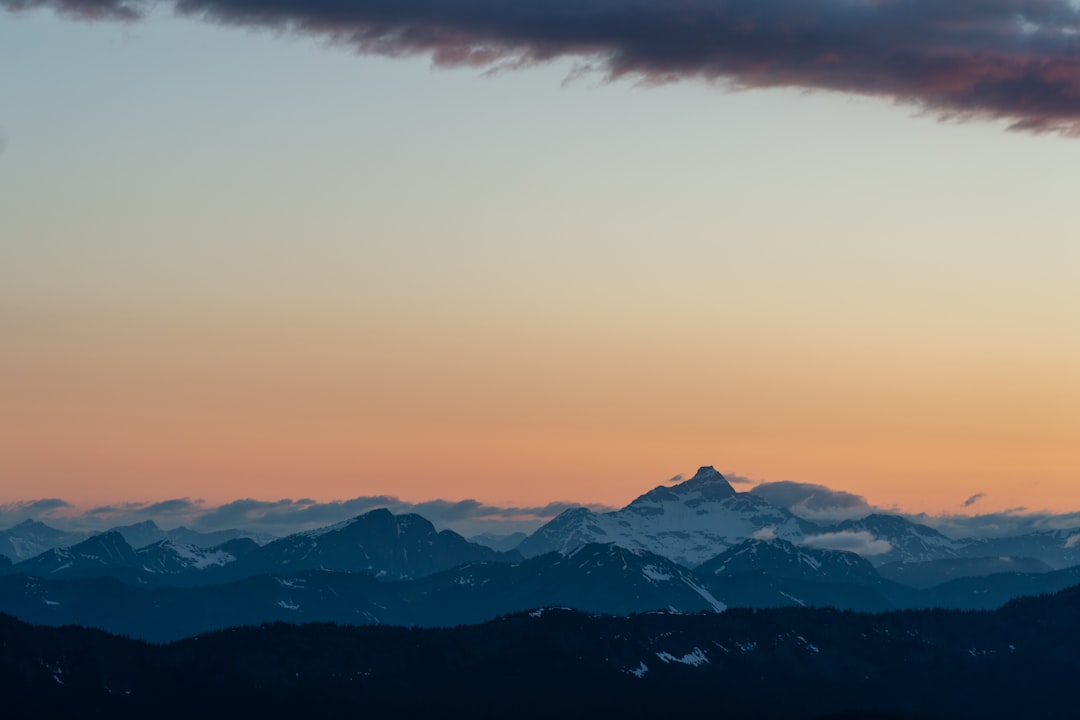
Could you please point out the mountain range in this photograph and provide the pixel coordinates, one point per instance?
(697, 546)
(377, 543)
(31, 538)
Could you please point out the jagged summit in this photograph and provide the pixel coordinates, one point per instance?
(144, 525)
(707, 481)
(706, 485)
(707, 472)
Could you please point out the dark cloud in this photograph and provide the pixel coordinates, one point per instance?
(1017, 60)
(675, 479)
(974, 499)
(814, 502)
(84, 9)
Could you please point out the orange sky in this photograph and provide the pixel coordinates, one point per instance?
(110, 406)
(274, 269)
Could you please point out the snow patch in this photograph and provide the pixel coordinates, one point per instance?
(708, 596)
(640, 670)
(201, 559)
(287, 605)
(655, 574)
(694, 658)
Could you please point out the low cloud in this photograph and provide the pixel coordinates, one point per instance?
(1014, 521)
(814, 502)
(1000, 59)
(860, 542)
(765, 533)
(285, 516)
(15, 512)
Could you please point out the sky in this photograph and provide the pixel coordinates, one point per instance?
(526, 253)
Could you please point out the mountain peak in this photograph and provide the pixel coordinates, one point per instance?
(145, 525)
(707, 473)
(710, 483)
(32, 523)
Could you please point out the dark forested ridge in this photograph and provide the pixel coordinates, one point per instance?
(1017, 662)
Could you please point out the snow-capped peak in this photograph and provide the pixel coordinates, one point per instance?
(689, 522)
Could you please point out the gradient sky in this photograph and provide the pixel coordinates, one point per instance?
(245, 263)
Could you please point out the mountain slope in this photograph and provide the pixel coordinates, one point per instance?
(782, 559)
(145, 533)
(1057, 548)
(935, 572)
(908, 541)
(596, 578)
(391, 547)
(593, 578)
(104, 554)
(31, 538)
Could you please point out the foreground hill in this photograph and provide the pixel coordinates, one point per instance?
(1017, 662)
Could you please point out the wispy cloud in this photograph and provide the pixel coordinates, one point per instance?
(1016, 60)
(739, 479)
(860, 542)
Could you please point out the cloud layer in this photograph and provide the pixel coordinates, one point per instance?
(281, 517)
(817, 503)
(1017, 60)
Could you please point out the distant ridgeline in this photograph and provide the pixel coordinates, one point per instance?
(698, 546)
